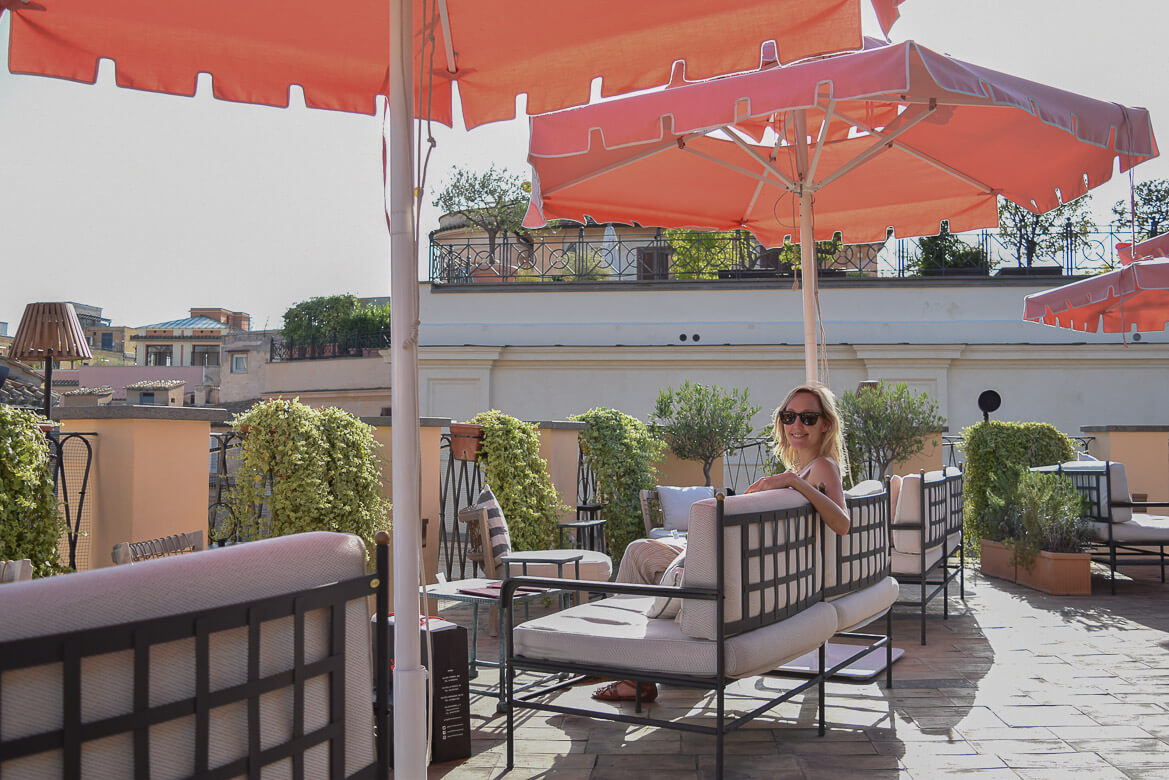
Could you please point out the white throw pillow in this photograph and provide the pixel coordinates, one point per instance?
(676, 503)
(667, 606)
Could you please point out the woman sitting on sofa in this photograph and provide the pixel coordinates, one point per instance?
(808, 438)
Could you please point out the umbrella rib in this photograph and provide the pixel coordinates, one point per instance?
(725, 164)
(901, 124)
(446, 37)
(661, 147)
(828, 116)
(952, 171)
(767, 164)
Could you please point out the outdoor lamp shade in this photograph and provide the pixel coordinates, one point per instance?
(48, 332)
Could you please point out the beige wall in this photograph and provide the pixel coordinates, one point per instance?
(357, 385)
(149, 473)
(929, 459)
(1144, 451)
(672, 470)
(560, 449)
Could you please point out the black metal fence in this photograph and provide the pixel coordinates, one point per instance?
(462, 480)
(329, 345)
(577, 256)
(71, 462)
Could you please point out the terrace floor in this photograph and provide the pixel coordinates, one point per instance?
(1015, 684)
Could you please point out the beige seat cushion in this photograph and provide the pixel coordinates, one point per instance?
(1147, 529)
(909, 564)
(594, 566)
(908, 509)
(697, 618)
(616, 632)
(858, 609)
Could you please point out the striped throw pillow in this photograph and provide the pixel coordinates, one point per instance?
(498, 538)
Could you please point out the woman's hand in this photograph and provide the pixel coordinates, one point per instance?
(785, 480)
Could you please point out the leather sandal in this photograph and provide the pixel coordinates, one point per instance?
(623, 690)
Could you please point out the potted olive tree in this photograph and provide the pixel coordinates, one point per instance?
(884, 425)
(701, 422)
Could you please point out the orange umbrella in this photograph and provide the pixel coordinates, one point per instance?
(895, 136)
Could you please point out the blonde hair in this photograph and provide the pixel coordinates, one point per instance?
(832, 445)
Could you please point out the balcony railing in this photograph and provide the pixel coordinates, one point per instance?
(326, 345)
(573, 256)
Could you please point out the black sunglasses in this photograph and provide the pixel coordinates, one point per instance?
(807, 418)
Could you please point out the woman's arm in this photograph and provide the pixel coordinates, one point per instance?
(829, 503)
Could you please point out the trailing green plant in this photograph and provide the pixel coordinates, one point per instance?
(1032, 511)
(884, 425)
(30, 526)
(994, 449)
(510, 454)
(701, 422)
(622, 452)
(314, 469)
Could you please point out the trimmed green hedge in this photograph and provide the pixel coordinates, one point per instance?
(622, 452)
(993, 450)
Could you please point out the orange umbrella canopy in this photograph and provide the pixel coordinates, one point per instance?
(1135, 297)
(894, 136)
(339, 52)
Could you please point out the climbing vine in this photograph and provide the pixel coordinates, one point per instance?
(30, 526)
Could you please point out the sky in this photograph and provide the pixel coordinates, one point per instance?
(148, 205)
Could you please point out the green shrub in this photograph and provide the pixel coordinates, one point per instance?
(30, 526)
(622, 452)
(1032, 511)
(317, 470)
(510, 454)
(701, 422)
(996, 449)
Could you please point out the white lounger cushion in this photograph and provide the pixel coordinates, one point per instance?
(1118, 479)
(594, 566)
(908, 564)
(616, 632)
(676, 502)
(698, 617)
(908, 509)
(858, 609)
(175, 585)
(1152, 529)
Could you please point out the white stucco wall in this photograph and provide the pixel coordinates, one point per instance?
(552, 351)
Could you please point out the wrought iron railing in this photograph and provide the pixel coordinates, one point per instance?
(747, 461)
(329, 345)
(462, 481)
(574, 256)
(71, 461)
(952, 454)
(223, 463)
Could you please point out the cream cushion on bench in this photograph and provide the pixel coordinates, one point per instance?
(172, 586)
(1143, 529)
(857, 609)
(905, 493)
(617, 632)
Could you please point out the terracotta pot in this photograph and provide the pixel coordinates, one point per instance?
(996, 560)
(1061, 574)
(465, 439)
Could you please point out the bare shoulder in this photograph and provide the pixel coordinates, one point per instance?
(826, 471)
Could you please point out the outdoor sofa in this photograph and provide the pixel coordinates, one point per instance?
(1119, 535)
(219, 663)
(772, 587)
(927, 535)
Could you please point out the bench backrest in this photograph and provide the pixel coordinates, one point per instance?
(770, 563)
(249, 654)
(859, 558)
(1099, 483)
(927, 508)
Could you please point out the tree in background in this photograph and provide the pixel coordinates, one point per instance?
(701, 422)
(308, 321)
(701, 254)
(493, 201)
(885, 424)
(791, 256)
(1043, 235)
(946, 250)
(1152, 209)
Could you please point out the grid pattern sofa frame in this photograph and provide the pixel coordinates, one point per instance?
(939, 528)
(1099, 490)
(316, 687)
(803, 552)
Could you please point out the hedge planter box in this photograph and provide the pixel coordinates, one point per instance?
(996, 560)
(465, 441)
(1060, 574)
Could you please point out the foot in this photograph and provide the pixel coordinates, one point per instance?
(626, 690)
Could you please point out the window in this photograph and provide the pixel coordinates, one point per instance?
(239, 363)
(146, 399)
(107, 341)
(204, 356)
(159, 354)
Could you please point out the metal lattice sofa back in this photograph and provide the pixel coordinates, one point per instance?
(213, 664)
(860, 558)
(770, 550)
(1099, 483)
(922, 516)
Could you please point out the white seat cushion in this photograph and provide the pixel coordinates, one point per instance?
(864, 606)
(908, 509)
(665, 533)
(1151, 529)
(616, 632)
(909, 564)
(698, 617)
(594, 566)
(676, 503)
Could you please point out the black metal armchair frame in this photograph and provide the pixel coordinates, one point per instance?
(1093, 486)
(941, 512)
(804, 559)
(72, 648)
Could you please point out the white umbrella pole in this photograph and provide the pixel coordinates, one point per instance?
(808, 272)
(409, 674)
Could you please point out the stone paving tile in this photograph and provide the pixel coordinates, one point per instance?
(1015, 684)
